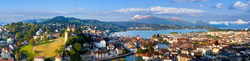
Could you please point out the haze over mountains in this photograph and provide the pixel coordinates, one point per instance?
(148, 19)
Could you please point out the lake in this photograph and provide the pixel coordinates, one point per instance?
(147, 33)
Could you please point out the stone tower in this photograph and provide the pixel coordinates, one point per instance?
(66, 33)
(68, 28)
(58, 57)
(66, 36)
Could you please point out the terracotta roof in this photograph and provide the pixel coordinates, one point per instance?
(167, 58)
(164, 50)
(68, 26)
(58, 56)
(57, 34)
(39, 57)
(149, 54)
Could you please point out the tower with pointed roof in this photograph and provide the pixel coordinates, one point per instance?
(58, 57)
(66, 34)
(68, 28)
(138, 36)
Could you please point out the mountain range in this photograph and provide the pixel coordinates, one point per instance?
(230, 24)
(148, 19)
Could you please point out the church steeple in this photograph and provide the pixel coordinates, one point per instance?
(68, 28)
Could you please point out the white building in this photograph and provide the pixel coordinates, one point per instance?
(100, 44)
(58, 57)
(150, 56)
(39, 58)
(101, 54)
(119, 50)
(10, 41)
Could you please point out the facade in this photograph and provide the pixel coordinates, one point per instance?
(39, 58)
(119, 50)
(66, 36)
(111, 46)
(100, 44)
(182, 57)
(101, 54)
(10, 41)
(150, 56)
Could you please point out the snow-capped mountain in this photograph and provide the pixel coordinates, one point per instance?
(174, 18)
(148, 19)
(230, 24)
(239, 21)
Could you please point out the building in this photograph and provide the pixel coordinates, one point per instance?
(164, 52)
(101, 54)
(119, 50)
(58, 57)
(66, 36)
(183, 57)
(10, 41)
(68, 28)
(111, 46)
(167, 59)
(99, 42)
(150, 56)
(39, 58)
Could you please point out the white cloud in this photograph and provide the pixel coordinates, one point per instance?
(159, 10)
(198, 0)
(80, 8)
(239, 6)
(218, 6)
(204, 5)
(181, 1)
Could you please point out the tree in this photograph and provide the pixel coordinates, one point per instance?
(32, 42)
(216, 43)
(150, 47)
(144, 44)
(77, 46)
(195, 43)
(48, 59)
(17, 56)
(106, 39)
(37, 39)
(56, 51)
(203, 43)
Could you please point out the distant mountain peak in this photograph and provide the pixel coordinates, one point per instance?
(239, 21)
(163, 18)
(140, 17)
(174, 18)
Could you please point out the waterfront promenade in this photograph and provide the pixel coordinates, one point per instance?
(116, 56)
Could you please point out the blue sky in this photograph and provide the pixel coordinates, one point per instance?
(122, 10)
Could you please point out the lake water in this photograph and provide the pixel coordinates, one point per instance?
(147, 33)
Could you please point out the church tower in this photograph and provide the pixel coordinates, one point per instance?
(138, 36)
(58, 57)
(66, 36)
(66, 33)
(68, 28)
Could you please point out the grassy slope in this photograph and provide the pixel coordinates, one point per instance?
(47, 49)
(27, 50)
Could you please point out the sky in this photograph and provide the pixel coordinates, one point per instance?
(122, 10)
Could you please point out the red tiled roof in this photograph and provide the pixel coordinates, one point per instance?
(39, 57)
(58, 56)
